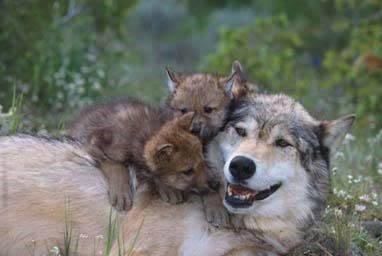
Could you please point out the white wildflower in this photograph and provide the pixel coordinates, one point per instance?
(375, 203)
(360, 207)
(99, 237)
(338, 212)
(341, 193)
(365, 198)
(339, 154)
(55, 250)
(84, 236)
(348, 138)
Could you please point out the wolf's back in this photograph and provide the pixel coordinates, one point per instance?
(29, 169)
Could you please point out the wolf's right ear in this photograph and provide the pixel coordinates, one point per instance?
(163, 152)
(173, 79)
(185, 121)
(333, 132)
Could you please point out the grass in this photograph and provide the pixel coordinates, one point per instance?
(355, 197)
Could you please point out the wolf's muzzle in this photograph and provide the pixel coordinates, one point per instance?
(242, 168)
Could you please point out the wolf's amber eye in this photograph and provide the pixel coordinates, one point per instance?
(208, 110)
(183, 110)
(188, 172)
(241, 131)
(282, 143)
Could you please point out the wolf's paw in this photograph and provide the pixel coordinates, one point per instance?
(170, 195)
(217, 215)
(121, 198)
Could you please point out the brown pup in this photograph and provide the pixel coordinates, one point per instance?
(129, 138)
(209, 96)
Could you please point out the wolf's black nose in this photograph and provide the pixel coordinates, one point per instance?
(242, 168)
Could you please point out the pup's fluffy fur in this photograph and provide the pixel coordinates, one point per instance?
(127, 136)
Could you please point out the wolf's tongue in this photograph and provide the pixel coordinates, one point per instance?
(237, 189)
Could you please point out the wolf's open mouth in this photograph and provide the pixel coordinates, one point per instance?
(239, 196)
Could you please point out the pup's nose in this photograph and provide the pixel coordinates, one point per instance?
(195, 128)
(242, 168)
(213, 184)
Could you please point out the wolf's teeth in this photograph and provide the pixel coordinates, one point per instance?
(229, 191)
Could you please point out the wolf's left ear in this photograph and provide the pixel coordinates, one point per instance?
(173, 79)
(235, 85)
(333, 132)
(163, 152)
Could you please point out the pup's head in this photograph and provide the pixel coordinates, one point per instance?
(277, 158)
(175, 157)
(208, 96)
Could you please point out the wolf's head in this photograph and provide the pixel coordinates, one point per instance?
(277, 158)
(175, 157)
(208, 96)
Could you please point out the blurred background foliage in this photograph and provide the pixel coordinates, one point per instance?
(63, 54)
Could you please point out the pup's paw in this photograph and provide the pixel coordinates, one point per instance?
(217, 215)
(170, 195)
(121, 197)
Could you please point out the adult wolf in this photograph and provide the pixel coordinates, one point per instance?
(275, 158)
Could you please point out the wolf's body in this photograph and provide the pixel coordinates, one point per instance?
(40, 177)
(268, 225)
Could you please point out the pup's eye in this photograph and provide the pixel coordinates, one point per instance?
(282, 143)
(208, 109)
(188, 172)
(241, 131)
(183, 110)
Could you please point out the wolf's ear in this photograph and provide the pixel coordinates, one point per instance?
(334, 131)
(235, 85)
(163, 152)
(173, 79)
(185, 121)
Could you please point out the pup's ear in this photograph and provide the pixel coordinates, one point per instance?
(235, 85)
(238, 69)
(163, 152)
(334, 131)
(185, 121)
(173, 79)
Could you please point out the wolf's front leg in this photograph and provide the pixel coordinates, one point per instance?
(216, 213)
(169, 194)
(120, 191)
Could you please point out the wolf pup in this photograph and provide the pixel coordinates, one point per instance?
(129, 138)
(209, 96)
